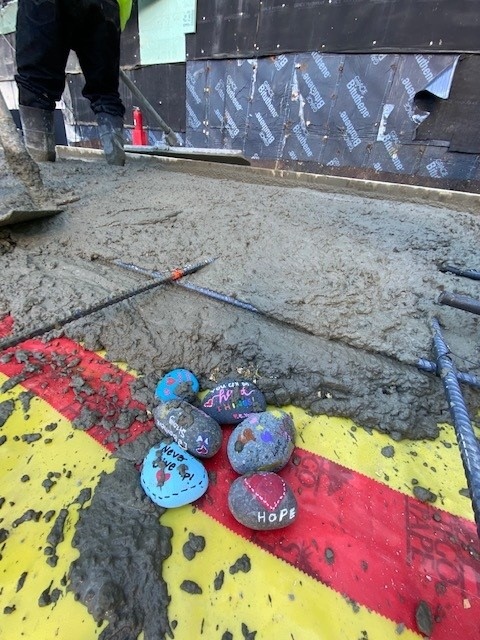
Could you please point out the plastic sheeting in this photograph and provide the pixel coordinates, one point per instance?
(327, 110)
(362, 556)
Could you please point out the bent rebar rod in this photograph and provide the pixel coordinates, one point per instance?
(467, 442)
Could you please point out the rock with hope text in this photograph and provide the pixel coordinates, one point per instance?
(262, 442)
(262, 501)
(179, 384)
(191, 428)
(231, 401)
(171, 477)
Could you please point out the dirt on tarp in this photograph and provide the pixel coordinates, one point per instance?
(347, 285)
(118, 575)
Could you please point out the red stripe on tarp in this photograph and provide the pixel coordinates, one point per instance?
(72, 379)
(376, 546)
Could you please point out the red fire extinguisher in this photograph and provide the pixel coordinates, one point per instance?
(139, 135)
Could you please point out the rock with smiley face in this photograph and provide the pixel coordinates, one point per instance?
(231, 401)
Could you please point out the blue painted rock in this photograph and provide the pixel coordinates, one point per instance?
(171, 477)
(191, 428)
(232, 401)
(179, 384)
(262, 501)
(262, 442)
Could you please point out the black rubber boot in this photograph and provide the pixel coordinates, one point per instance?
(38, 133)
(110, 131)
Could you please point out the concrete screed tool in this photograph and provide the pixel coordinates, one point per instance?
(171, 147)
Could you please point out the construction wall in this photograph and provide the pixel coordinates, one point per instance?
(382, 89)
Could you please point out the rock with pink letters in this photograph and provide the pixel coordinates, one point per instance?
(231, 401)
(262, 501)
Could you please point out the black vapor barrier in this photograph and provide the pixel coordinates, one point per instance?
(455, 120)
(314, 110)
(248, 28)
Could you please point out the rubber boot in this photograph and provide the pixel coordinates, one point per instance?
(38, 133)
(110, 131)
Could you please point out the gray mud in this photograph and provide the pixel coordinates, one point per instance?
(118, 575)
(347, 285)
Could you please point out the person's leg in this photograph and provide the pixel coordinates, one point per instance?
(98, 50)
(41, 57)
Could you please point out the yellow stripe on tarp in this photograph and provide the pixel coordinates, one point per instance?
(434, 465)
(273, 598)
(70, 453)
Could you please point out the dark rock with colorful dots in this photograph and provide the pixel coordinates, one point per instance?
(262, 442)
(190, 427)
(171, 477)
(262, 501)
(179, 384)
(231, 401)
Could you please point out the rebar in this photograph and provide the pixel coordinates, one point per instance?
(473, 274)
(430, 367)
(460, 301)
(78, 314)
(467, 442)
(210, 293)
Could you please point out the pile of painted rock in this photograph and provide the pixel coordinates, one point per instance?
(259, 446)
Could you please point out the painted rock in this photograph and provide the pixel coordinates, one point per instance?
(232, 401)
(262, 442)
(171, 477)
(262, 501)
(179, 384)
(191, 428)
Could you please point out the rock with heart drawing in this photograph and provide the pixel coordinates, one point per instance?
(191, 428)
(231, 401)
(262, 501)
(262, 442)
(171, 477)
(179, 384)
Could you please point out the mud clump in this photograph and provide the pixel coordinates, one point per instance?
(194, 545)
(424, 495)
(388, 451)
(329, 556)
(242, 564)
(189, 586)
(122, 545)
(7, 407)
(424, 618)
(219, 580)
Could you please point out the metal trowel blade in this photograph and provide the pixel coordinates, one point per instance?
(16, 216)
